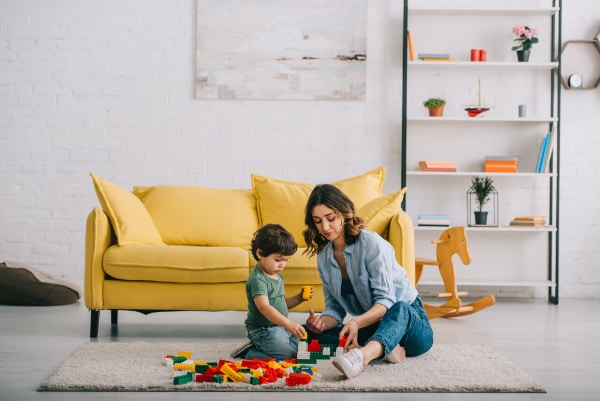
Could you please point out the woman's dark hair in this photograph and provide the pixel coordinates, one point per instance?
(273, 238)
(332, 197)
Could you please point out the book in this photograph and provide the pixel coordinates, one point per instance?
(434, 217)
(434, 223)
(526, 224)
(549, 149)
(440, 220)
(543, 146)
(449, 169)
(434, 55)
(501, 163)
(434, 163)
(501, 169)
(502, 158)
(530, 218)
(449, 59)
(411, 45)
(528, 221)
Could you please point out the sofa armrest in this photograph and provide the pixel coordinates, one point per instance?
(401, 235)
(98, 238)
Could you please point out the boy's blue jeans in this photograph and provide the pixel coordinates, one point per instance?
(404, 324)
(272, 342)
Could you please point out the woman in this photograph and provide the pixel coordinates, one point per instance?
(361, 277)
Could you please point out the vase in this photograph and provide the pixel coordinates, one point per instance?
(436, 111)
(481, 218)
(523, 55)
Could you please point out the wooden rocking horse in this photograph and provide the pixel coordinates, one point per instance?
(452, 241)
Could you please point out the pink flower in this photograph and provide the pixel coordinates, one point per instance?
(526, 37)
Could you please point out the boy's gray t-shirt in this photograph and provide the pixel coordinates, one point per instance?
(260, 284)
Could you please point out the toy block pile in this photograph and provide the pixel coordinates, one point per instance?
(310, 353)
(255, 371)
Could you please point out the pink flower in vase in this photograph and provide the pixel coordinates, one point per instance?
(526, 37)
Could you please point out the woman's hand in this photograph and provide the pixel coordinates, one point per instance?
(350, 330)
(315, 323)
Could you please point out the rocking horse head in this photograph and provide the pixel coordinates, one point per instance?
(454, 241)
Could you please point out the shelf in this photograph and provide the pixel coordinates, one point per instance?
(493, 229)
(465, 173)
(541, 283)
(483, 119)
(542, 11)
(483, 65)
(532, 256)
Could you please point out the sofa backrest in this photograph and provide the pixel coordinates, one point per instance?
(191, 215)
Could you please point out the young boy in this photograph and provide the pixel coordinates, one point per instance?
(272, 334)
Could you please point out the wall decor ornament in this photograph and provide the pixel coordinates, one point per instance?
(281, 50)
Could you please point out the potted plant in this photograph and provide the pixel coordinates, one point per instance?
(435, 106)
(525, 37)
(481, 189)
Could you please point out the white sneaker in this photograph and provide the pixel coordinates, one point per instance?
(397, 355)
(350, 364)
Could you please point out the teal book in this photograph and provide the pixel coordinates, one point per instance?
(541, 158)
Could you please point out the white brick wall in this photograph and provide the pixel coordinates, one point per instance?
(106, 86)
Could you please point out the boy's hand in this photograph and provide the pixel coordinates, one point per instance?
(296, 329)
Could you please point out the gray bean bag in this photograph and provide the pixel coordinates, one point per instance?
(21, 284)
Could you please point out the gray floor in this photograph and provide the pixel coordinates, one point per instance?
(559, 346)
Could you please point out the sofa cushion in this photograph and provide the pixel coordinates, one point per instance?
(283, 202)
(378, 212)
(128, 216)
(177, 264)
(189, 215)
(363, 188)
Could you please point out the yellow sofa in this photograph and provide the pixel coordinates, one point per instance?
(174, 248)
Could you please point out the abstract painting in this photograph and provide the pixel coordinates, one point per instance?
(281, 49)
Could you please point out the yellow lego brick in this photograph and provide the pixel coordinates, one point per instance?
(187, 354)
(184, 366)
(232, 374)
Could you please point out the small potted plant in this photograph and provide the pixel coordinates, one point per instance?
(482, 188)
(525, 37)
(435, 106)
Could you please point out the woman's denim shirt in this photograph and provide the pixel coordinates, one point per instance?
(376, 276)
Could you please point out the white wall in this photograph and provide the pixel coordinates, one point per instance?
(107, 86)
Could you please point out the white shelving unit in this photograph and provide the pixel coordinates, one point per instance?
(502, 255)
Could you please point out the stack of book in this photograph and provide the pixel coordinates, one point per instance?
(434, 220)
(435, 57)
(501, 164)
(528, 221)
(432, 165)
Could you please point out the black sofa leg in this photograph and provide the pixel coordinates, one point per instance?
(94, 322)
(114, 316)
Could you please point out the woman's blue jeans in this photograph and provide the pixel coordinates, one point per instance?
(272, 342)
(404, 324)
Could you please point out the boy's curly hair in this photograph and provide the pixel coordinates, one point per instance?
(273, 238)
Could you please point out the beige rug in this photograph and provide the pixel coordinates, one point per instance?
(138, 366)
